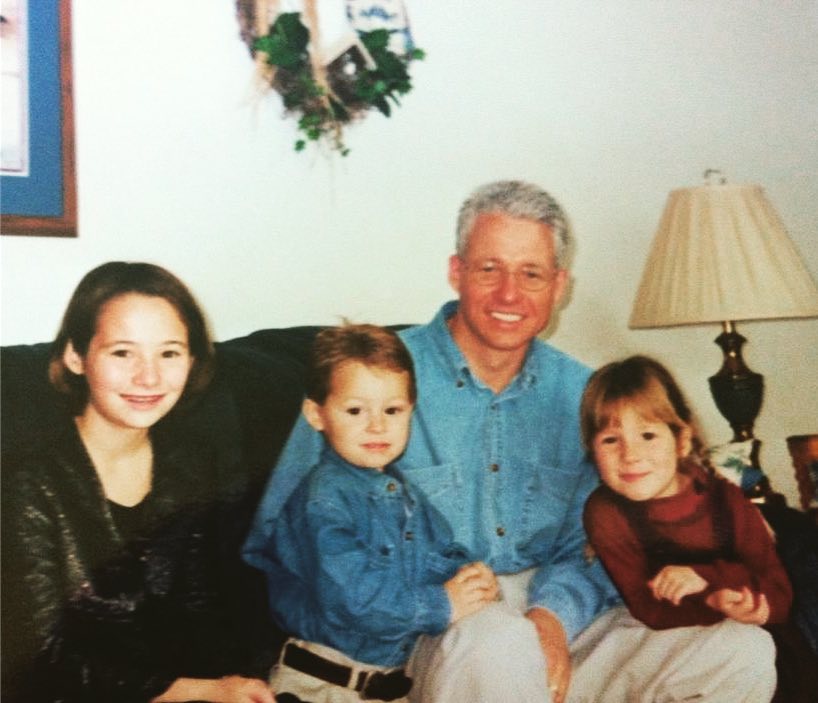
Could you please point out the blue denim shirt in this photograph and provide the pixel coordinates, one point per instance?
(507, 470)
(365, 559)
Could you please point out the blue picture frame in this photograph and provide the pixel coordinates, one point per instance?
(43, 202)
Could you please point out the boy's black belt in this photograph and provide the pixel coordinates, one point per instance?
(372, 685)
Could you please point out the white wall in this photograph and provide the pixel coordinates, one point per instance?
(609, 105)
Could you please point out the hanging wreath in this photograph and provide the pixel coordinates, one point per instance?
(332, 61)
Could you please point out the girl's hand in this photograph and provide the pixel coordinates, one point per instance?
(742, 605)
(238, 689)
(472, 588)
(675, 582)
(228, 689)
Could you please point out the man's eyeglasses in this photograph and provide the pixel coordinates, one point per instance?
(490, 273)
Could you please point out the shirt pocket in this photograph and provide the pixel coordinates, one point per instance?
(444, 488)
(546, 497)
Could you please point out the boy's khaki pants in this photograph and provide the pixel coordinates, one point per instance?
(308, 688)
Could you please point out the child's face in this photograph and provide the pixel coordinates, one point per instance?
(137, 362)
(366, 415)
(638, 457)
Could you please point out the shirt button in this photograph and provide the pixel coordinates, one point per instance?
(501, 531)
(391, 487)
(409, 536)
(494, 468)
(460, 383)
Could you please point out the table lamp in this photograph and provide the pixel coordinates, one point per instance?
(721, 254)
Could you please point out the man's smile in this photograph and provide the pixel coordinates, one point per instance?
(506, 316)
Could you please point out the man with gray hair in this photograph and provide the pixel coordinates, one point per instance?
(496, 449)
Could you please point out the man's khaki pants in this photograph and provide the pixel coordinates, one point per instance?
(494, 656)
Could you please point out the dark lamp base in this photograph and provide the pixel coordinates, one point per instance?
(737, 390)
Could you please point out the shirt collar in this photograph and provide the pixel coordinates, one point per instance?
(330, 456)
(459, 366)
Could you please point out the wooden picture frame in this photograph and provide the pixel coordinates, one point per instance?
(44, 202)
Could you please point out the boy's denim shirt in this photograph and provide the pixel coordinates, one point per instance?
(507, 470)
(369, 557)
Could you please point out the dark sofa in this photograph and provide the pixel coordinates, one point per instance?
(247, 410)
(246, 414)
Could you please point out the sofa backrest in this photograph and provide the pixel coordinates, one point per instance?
(251, 404)
(247, 412)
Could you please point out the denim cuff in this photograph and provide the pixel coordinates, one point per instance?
(433, 610)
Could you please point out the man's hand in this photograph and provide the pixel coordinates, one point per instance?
(554, 645)
(675, 582)
(741, 605)
(472, 588)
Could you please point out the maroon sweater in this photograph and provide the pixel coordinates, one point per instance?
(710, 527)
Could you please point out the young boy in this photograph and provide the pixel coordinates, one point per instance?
(683, 546)
(359, 565)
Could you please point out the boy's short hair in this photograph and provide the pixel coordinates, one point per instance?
(370, 345)
(642, 381)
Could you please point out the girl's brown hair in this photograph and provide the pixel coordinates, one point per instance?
(102, 285)
(643, 382)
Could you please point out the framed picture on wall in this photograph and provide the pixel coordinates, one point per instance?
(37, 173)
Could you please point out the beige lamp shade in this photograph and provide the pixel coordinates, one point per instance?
(721, 253)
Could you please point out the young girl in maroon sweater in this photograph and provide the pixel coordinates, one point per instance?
(684, 546)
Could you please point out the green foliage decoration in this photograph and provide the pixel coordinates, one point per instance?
(354, 87)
